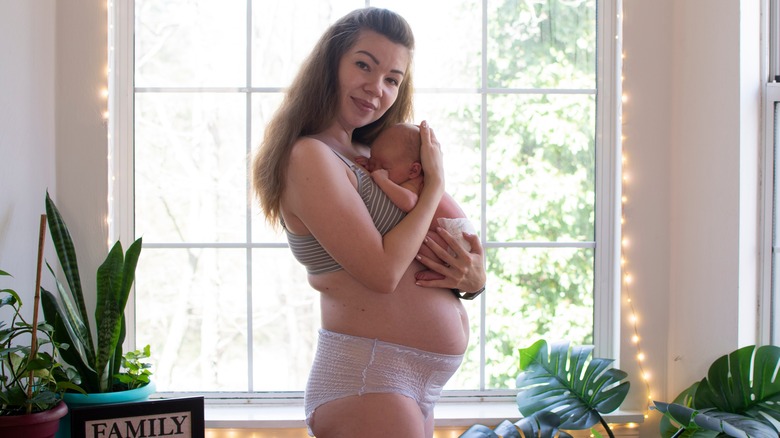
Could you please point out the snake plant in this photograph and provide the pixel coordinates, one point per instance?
(561, 388)
(739, 398)
(96, 363)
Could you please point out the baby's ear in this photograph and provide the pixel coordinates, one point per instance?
(415, 169)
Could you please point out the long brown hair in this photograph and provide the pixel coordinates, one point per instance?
(311, 101)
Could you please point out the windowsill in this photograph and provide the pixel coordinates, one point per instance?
(447, 414)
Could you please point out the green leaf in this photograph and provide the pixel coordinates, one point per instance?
(69, 320)
(669, 425)
(63, 244)
(114, 283)
(479, 431)
(743, 382)
(700, 423)
(67, 385)
(12, 299)
(128, 275)
(543, 424)
(577, 389)
(72, 347)
(108, 313)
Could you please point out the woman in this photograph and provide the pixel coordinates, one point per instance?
(388, 342)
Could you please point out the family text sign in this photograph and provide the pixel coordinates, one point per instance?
(171, 418)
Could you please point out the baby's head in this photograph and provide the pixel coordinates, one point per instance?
(397, 150)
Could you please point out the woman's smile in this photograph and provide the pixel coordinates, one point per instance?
(363, 104)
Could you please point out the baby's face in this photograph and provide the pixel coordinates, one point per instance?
(388, 152)
(390, 159)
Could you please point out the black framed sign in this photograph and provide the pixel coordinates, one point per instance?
(170, 418)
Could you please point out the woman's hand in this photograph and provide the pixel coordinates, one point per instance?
(464, 271)
(431, 157)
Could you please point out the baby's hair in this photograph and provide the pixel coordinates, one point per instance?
(412, 141)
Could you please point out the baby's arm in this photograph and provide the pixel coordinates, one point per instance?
(401, 196)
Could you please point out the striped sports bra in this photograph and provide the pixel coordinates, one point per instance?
(308, 251)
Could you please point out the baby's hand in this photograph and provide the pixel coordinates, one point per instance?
(380, 174)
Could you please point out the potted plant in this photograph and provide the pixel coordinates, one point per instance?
(97, 362)
(738, 397)
(558, 390)
(32, 380)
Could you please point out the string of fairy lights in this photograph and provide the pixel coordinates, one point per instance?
(627, 278)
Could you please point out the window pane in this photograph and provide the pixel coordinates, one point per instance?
(542, 44)
(284, 32)
(189, 43)
(448, 40)
(190, 164)
(537, 293)
(285, 320)
(455, 121)
(541, 167)
(191, 308)
(263, 107)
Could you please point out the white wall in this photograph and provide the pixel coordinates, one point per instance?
(52, 133)
(711, 160)
(647, 42)
(27, 134)
(688, 128)
(82, 141)
(691, 124)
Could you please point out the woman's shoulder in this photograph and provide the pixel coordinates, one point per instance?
(313, 156)
(310, 150)
(309, 144)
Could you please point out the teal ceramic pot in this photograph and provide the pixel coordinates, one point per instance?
(41, 425)
(76, 400)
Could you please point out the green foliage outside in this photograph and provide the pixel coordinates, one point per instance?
(540, 172)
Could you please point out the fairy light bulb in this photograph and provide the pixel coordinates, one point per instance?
(632, 316)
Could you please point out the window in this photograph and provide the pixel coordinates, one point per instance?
(521, 95)
(770, 282)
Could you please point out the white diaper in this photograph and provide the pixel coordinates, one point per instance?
(456, 227)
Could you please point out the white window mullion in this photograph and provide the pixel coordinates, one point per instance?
(249, 198)
(120, 137)
(483, 129)
(773, 40)
(608, 181)
(768, 329)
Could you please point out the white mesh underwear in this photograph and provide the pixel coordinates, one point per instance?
(346, 365)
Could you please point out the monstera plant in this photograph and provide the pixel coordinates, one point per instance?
(560, 388)
(739, 397)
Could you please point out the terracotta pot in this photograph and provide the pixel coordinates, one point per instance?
(40, 425)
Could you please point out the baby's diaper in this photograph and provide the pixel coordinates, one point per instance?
(456, 227)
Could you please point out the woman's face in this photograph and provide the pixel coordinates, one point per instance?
(370, 74)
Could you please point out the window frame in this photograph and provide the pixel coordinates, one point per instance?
(608, 181)
(769, 295)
